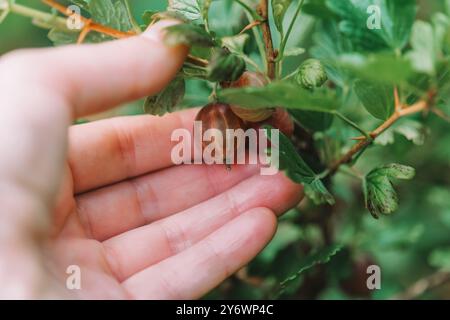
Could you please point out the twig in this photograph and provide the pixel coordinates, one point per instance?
(398, 104)
(89, 25)
(267, 37)
(364, 142)
(423, 285)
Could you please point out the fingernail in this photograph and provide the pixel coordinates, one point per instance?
(156, 31)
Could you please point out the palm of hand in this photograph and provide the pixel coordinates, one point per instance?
(136, 226)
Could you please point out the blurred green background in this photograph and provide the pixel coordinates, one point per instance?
(409, 245)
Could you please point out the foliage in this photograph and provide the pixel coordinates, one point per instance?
(321, 240)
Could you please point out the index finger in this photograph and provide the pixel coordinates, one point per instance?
(94, 77)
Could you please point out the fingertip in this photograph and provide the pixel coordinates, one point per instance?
(263, 223)
(156, 32)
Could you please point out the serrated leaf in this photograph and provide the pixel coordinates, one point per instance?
(292, 164)
(188, 34)
(329, 44)
(279, 8)
(167, 99)
(61, 37)
(379, 67)
(192, 10)
(315, 121)
(236, 43)
(225, 66)
(394, 170)
(379, 193)
(321, 256)
(412, 130)
(378, 99)
(396, 19)
(283, 93)
(111, 13)
(319, 9)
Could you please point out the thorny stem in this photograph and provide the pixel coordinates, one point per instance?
(400, 112)
(267, 37)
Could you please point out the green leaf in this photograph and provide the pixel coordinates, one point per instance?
(396, 19)
(191, 10)
(225, 66)
(378, 99)
(423, 55)
(329, 44)
(111, 13)
(283, 93)
(319, 9)
(379, 194)
(279, 8)
(64, 37)
(235, 43)
(379, 67)
(167, 99)
(412, 130)
(298, 170)
(321, 256)
(313, 120)
(188, 34)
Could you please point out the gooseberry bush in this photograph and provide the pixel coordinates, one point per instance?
(345, 81)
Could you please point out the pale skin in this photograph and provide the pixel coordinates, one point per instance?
(104, 195)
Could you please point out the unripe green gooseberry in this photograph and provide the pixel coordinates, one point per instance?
(311, 74)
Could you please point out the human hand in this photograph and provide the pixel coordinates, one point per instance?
(104, 196)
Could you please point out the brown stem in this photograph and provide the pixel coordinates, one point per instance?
(267, 37)
(422, 105)
(89, 25)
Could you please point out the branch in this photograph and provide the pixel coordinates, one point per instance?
(364, 142)
(423, 285)
(267, 37)
(88, 24)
